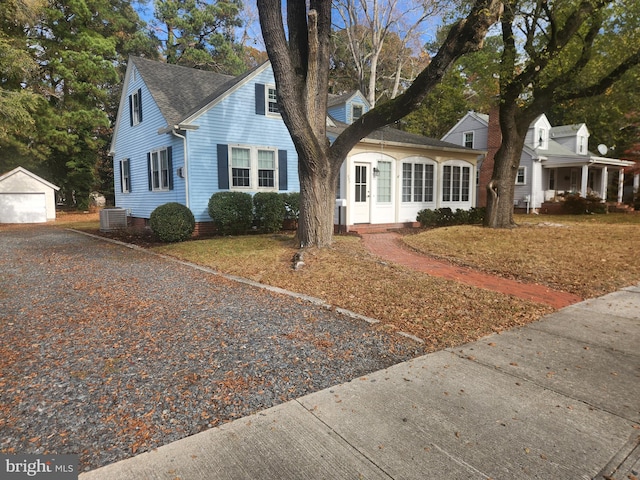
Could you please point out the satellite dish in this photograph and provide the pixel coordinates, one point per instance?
(602, 148)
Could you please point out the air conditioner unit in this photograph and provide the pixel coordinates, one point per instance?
(112, 219)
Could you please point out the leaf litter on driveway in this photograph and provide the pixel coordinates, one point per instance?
(107, 352)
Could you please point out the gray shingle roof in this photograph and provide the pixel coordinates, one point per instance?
(389, 134)
(339, 99)
(178, 90)
(565, 130)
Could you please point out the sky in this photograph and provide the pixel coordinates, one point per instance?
(252, 26)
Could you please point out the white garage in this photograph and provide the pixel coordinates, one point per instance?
(26, 198)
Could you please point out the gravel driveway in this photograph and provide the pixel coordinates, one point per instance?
(107, 352)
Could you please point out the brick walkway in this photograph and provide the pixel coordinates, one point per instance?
(389, 247)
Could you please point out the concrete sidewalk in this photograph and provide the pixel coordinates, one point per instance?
(557, 399)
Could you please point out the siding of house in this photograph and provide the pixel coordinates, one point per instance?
(233, 121)
(521, 191)
(342, 112)
(469, 124)
(134, 143)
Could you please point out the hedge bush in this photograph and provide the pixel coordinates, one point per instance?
(574, 204)
(231, 212)
(172, 222)
(269, 211)
(442, 217)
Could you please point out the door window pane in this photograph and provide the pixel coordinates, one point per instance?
(406, 181)
(361, 183)
(384, 182)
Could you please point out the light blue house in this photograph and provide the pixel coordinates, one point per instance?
(183, 134)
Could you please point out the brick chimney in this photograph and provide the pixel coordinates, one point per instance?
(494, 140)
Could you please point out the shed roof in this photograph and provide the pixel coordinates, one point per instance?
(26, 172)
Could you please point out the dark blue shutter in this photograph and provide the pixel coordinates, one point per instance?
(170, 164)
(282, 170)
(130, 110)
(223, 167)
(260, 99)
(140, 105)
(149, 171)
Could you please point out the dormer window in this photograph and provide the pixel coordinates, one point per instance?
(356, 112)
(581, 145)
(468, 139)
(542, 139)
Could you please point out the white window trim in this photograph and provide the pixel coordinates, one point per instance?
(253, 169)
(126, 186)
(267, 101)
(464, 138)
(161, 188)
(434, 190)
(544, 134)
(462, 164)
(581, 145)
(353, 105)
(524, 171)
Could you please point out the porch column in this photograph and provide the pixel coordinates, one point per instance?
(620, 185)
(585, 180)
(604, 182)
(636, 183)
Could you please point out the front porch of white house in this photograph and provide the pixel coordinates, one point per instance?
(590, 178)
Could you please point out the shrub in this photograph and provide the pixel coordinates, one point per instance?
(576, 205)
(269, 211)
(476, 215)
(595, 204)
(426, 217)
(292, 205)
(231, 212)
(172, 222)
(442, 217)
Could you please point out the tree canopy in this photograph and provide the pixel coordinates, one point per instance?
(300, 57)
(554, 53)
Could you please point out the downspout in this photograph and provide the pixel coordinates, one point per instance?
(174, 131)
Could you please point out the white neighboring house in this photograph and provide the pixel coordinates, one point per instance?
(390, 175)
(554, 160)
(26, 198)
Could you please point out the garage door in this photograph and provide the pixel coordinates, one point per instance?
(23, 207)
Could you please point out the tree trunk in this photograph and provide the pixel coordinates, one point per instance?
(317, 207)
(500, 190)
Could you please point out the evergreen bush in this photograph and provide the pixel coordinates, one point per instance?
(269, 211)
(172, 222)
(574, 204)
(442, 217)
(231, 212)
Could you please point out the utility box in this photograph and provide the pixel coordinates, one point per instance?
(112, 219)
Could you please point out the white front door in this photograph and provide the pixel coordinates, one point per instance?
(362, 193)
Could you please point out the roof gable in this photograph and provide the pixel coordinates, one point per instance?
(481, 118)
(24, 171)
(343, 99)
